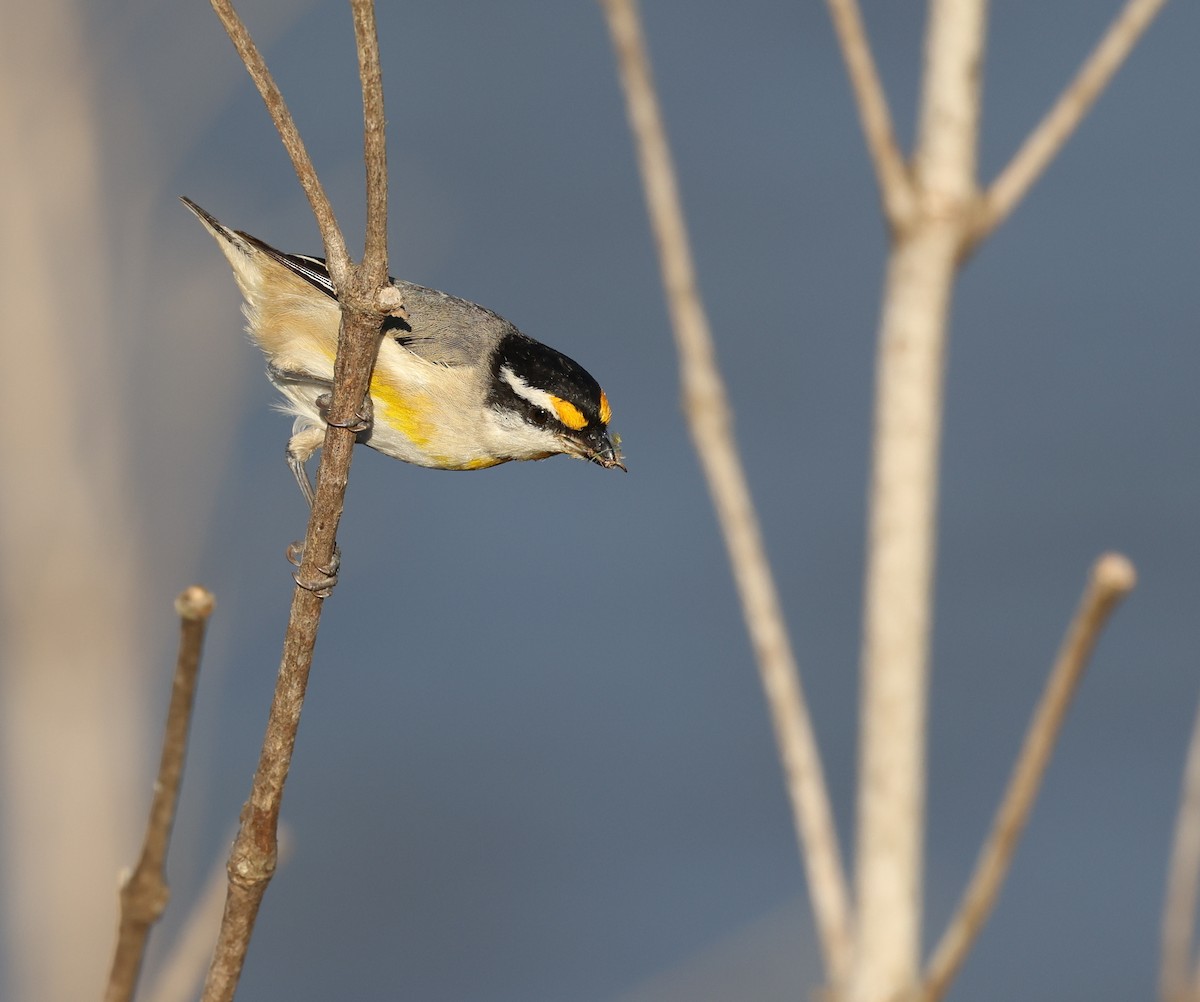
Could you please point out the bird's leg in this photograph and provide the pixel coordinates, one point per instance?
(281, 369)
(280, 372)
(306, 439)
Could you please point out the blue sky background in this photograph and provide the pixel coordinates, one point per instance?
(535, 761)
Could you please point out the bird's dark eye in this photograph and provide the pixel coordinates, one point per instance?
(539, 416)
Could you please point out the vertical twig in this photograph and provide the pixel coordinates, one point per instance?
(706, 408)
(903, 504)
(364, 306)
(1112, 578)
(1183, 880)
(144, 892)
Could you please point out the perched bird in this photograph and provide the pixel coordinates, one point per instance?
(455, 387)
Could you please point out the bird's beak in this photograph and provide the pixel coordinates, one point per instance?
(607, 454)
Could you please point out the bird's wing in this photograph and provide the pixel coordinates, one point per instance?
(445, 330)
(441, 329)
(311, 269)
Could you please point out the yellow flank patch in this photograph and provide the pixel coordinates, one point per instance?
(480, 464)
(605, 410)
(404, 412)
(568, 413)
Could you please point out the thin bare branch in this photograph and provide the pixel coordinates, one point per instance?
(1112, 578)
(895, 184)
(179, 976)
(144, 892)
(1044, 143)
(374, 144)
(364, 306)
(253, 859)
(707, 410)
(1183, 881)
(331, 235)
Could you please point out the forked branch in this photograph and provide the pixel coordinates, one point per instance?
(1044, 142)
(902, 510)
(948, 218)
(365, 304)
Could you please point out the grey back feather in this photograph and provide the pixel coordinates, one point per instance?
(446, 330)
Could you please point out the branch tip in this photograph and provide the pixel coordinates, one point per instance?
(390, 302)
(1115, 573)
(143, 891)
(195, 602)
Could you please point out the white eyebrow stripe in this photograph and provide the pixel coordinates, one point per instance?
(539, 398)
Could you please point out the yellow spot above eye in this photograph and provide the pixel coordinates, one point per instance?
(568, 413)
(605, 410)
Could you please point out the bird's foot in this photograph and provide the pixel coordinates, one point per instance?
(324, 580)
(361, 422)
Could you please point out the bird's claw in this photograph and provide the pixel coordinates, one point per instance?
(362, 420)
(324, 580)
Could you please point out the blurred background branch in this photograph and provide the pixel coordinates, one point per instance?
(71, 554)
(1111, 579)
(709, 416)
(1179, 972)
(1046, 141)
(144, 892)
